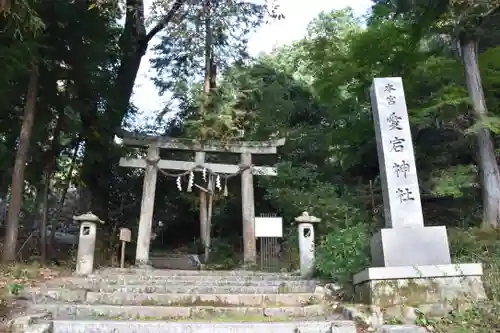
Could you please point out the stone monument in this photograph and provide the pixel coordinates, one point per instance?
(306, 244)
(411, 262)
(86, 243)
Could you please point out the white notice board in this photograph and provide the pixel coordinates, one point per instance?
(268, 227)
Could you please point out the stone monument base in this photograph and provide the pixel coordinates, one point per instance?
(410, 246)
(427, 288)
(431, 289)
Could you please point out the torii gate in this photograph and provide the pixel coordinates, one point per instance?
(245, 148)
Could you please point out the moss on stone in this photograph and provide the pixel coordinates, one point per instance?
(411, 292)
(431, 296)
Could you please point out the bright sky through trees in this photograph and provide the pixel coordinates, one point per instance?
(297, 15)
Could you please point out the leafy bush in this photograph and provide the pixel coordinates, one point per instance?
(476, 246)
(343, 252)
(222, 255)
(290, 251)
(479, 246)
(343, 233)
(299, 189)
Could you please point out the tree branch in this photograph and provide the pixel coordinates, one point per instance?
(166, 19)
(491, 11)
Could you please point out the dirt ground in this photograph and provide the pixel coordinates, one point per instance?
(16, 277)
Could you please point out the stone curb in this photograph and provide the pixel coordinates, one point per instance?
(164, 327)
(28, 324)
(401, 329)
(375, 321)
(173, 312)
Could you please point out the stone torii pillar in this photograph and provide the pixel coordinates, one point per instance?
(147, 208)
(248, 211)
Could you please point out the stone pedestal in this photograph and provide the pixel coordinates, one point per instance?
(86, 243)
(432, 289)
(306, 244)
(410, 246)
(411, 268)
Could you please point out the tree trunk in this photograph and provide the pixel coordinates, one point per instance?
(490, 176)
(17, 187)
(11, 141)
(96, 170)
(5, 6)
(208, 52)
(204, 197)
(30, 219)
(44, 217)
(50, 165)
(60, 204)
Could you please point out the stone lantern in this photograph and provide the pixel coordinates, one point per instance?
(86, 242)
(306, 243)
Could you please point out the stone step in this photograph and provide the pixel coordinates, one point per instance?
(180, 288)
(124, 298)
(94, 326)
(173, 272)
(195, 289)
(193, 278)
(199, 282)
(131, 312)
(203, 299)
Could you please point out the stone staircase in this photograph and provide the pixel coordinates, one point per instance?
(169, 301)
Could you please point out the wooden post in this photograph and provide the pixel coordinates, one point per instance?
(122, 255)
(248, 211)
(199, 159)
(147, 208)
(125, 236)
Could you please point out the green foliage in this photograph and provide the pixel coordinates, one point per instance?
(300, 189)
(343, 252)
(476, 245)
(181, 54)
(223, 122)
(453, 181)
(322, 201)
(222, 256)
(290, 250)
(343, 234)
(15, 288)
(22, 19)
(491, 123)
